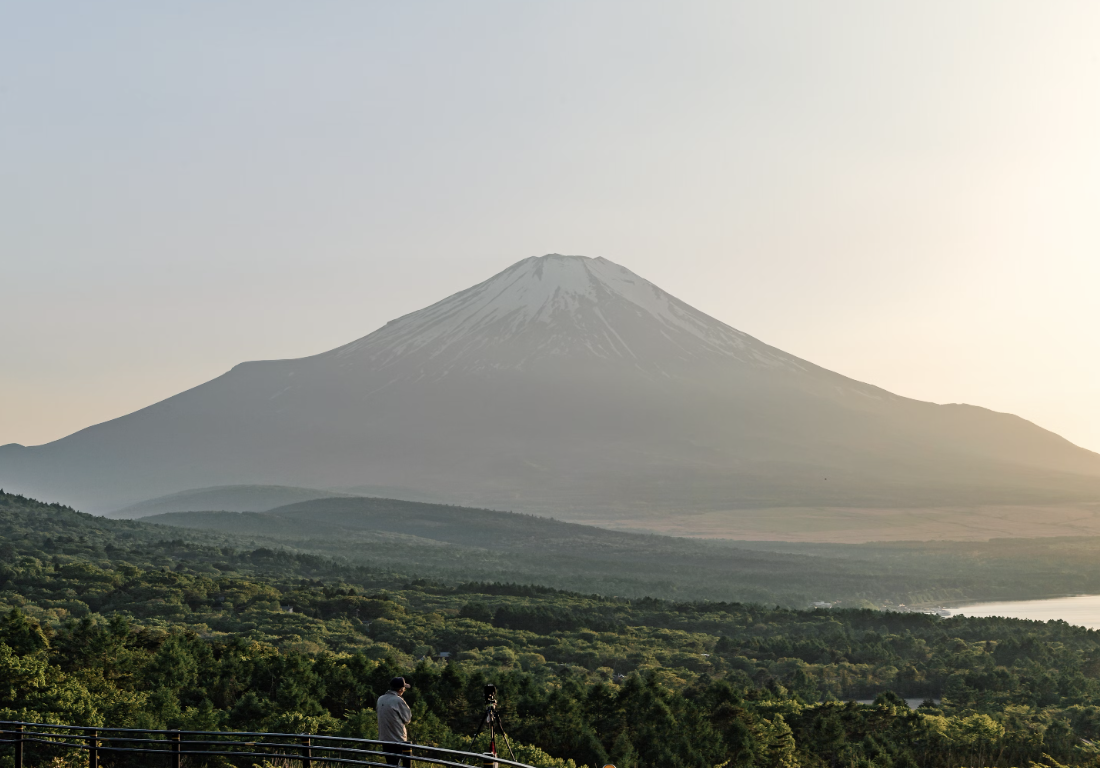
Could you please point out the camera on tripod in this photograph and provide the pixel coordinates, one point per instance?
(491, 718)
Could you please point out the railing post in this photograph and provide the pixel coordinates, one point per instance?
(177, 758)
(93, 752)
(19, 746)
(307, 752)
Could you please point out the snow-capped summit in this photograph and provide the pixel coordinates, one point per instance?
(558, 306)
(568, 386)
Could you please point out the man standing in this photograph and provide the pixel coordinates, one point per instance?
(393, 715)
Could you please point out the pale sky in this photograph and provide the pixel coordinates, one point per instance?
(907, 193)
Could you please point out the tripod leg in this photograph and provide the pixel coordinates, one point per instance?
(507, 743)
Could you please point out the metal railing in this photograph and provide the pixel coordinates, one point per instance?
(35, 743)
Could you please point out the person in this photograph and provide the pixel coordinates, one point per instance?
(393, 715)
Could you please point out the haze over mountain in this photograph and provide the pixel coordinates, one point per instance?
(567, 386)
(225, 498)
(256, 498)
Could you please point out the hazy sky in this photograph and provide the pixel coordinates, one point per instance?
(904, 192)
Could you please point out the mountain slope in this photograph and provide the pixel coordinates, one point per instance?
(568, 386)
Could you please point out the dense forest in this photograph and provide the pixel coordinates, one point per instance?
(125, 624)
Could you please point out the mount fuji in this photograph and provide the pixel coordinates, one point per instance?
(567, 386)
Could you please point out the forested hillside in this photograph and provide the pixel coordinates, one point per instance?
(105, 623)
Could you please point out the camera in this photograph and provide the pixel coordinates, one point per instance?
(491, 718)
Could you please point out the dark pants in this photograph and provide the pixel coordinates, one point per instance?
(399, 755)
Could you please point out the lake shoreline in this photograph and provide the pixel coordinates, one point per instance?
(1079, 610)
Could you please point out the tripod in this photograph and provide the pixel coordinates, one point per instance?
(492, 719)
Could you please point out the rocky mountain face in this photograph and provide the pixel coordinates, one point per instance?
(566, 386)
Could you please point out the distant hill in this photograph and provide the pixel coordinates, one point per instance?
(570, 387)
(394, 492)
(225, 498)
(463, 543)
(401, 542)
(439, 523)
(457, 543)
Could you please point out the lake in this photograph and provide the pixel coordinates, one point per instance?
(1082, 610)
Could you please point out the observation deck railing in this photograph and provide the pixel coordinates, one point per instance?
(36, 744)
